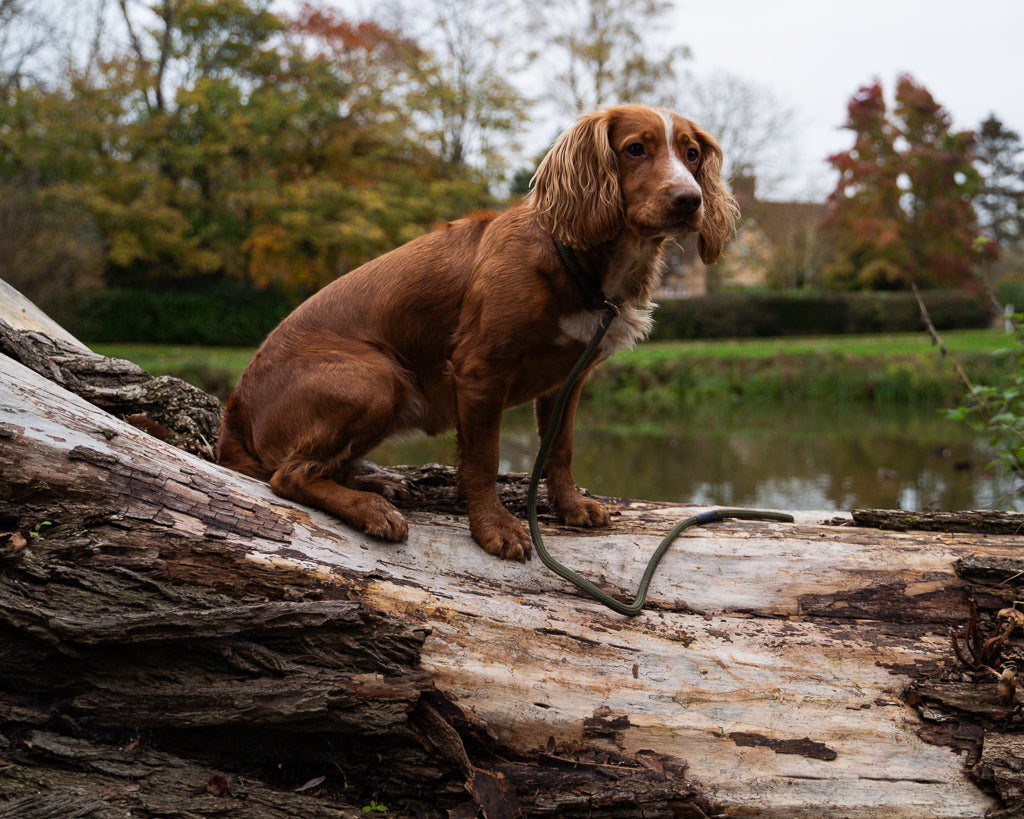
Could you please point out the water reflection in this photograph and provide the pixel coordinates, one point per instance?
(794, 458)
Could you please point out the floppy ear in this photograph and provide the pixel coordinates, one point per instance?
(720, 209)
(576, 196)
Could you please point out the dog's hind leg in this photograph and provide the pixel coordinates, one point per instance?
(332, 414)
(366, 511)
(372, 478)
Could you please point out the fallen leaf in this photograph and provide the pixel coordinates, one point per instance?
(311, 784)
(1015, 617)
(12, 542)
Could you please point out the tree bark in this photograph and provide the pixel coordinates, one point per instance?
(981, 521)
(175, 640)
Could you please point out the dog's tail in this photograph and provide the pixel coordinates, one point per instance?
(234, 443)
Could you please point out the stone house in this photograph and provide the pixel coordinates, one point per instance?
(776, 245)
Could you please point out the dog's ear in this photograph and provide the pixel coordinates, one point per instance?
(576, 195)
(720, 208)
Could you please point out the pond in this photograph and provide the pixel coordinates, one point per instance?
(803, 458)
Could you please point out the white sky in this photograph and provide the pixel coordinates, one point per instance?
(814, 54)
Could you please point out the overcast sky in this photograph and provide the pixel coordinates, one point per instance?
(814, 54)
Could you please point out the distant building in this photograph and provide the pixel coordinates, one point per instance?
(775, 245)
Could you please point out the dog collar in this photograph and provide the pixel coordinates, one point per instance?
(592, 294)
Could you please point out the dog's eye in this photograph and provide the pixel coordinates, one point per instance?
(636, 149)
(692, 155)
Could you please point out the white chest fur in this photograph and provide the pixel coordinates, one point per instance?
(630, 326)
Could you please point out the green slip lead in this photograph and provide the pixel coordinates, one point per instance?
(610, 311)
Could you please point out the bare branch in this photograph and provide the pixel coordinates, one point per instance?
(937, 340)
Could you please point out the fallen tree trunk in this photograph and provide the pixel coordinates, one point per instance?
(980, 521)
(177, 641)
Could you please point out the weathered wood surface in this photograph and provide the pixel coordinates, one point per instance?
(165, 407)
(978, 521)
(774, 667)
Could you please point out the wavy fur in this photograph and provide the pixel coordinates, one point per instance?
(576, 195)
(720, 208)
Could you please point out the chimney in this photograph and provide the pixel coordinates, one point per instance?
(743, 188)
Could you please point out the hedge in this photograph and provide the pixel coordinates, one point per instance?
(225, 315)
(775, 313)
(232, 315)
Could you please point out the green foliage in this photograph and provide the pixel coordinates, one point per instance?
(223, 314)
(233, 314)
(681, 379)
(902, 208)
(880, 370)
(1010, 292)
(225, 143)
(37, 530)
(998, 410)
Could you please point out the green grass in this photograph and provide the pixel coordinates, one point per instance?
(898, 369)
(961, 342)
(214, 369)
(160, 359)
(164, 359)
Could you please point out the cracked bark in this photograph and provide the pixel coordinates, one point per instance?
(176, 641)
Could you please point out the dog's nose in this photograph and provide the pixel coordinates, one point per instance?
(685, 200)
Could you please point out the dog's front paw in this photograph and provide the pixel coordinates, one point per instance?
(380, 519)
(499, 533)
(581, 511)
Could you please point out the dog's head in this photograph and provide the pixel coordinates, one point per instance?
(638, 169)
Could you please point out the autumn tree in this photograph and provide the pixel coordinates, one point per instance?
(38, 234)
(221, 141)
(902, 208)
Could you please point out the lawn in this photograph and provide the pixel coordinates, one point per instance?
(965, 342)
(161, 359)
(216, 369)
(169, 359)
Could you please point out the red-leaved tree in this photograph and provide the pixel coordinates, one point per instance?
(902, 209)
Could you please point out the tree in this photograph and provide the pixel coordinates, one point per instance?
(47, 249)
(1000, 201)
(603, 52)
(22, 35)
(864, 216)
(379, 156)
(902, 208)
(754, 128)
(225, 142)
(472, 110)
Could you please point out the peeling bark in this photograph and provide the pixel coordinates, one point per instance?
(165, 407)
(978, 521)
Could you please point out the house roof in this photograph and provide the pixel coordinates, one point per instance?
(777, 221)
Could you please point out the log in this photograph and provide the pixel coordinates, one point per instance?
(175, 640)
(974, 520)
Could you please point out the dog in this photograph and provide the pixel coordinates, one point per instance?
(479, 315)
